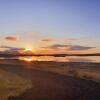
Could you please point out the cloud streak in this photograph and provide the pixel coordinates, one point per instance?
(69, 39)
(11, 38)
(47, 40)
(11, 48)
(68, 47)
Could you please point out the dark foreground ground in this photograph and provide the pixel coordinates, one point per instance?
(49, 86)
(52, 86)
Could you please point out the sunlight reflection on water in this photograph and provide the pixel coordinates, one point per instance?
(61, 59)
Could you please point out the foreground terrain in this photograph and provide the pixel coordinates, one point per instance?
(49, 81)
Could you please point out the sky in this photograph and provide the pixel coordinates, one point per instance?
(66, 25)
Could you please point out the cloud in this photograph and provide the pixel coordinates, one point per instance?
(11, 48)
(79, 47)
(11, 38)
(47, 40)
(68, 47)
(70, 39)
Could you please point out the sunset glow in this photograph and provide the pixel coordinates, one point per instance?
(28, 33)
(27, 59)
(49, 49)
(28, 49)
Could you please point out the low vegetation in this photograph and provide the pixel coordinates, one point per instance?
(86, 71)
(12, 84)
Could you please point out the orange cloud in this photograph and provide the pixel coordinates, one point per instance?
(11, 38)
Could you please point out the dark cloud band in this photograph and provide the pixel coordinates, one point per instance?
(69, 47)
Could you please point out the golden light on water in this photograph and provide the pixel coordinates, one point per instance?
(59, 59)
(27, 59)
(43, 58)
(34, 58)
(28, 49)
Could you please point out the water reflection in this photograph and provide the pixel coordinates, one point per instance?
(34, 58)
(28, 59)
(61, 59)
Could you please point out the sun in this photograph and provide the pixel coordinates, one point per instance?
(30, 50)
